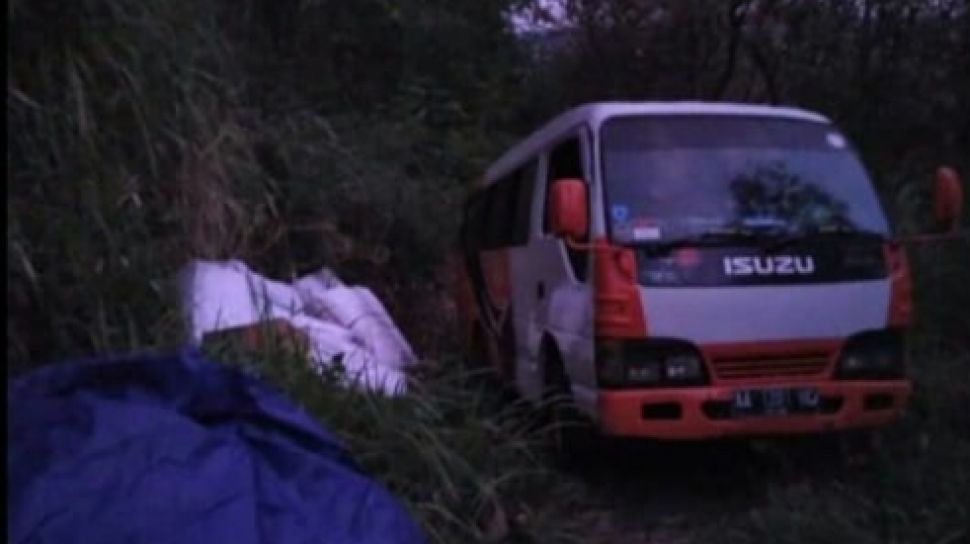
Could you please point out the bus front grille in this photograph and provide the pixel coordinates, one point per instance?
(744, 368)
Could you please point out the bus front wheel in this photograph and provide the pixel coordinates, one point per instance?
(568, 433)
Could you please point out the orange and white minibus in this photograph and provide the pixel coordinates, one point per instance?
(692, 270)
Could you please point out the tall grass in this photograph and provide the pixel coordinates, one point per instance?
(914, 489)
(119, 125)
(138, 140)
(467, 462)
(139, 137)
(135, 145)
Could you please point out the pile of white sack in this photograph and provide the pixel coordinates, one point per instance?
(345, 323)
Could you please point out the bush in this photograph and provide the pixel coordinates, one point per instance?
(141, 137)
(297, 134)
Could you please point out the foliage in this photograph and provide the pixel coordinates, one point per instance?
(145, 134)
(295, 134)
(467, 462)
(892, 73)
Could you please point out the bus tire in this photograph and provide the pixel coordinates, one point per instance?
(477, 350)
(507, 352)
(567, 432)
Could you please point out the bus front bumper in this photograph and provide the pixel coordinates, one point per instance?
(707, 412)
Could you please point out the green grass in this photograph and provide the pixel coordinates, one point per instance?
(138, 138)
(467, 462)
(914, 489)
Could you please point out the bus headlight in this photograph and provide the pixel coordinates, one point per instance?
(648, 363)
(643, 372)
(872, 355)
(683, 367)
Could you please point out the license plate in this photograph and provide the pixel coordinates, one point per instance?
(775, 402)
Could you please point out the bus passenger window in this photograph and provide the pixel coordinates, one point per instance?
(523, 208)
(501, 213)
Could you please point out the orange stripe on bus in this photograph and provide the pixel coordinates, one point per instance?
(901, 289)
(619, 311)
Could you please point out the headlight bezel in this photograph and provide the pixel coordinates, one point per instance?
(873, 355)
(635, 364)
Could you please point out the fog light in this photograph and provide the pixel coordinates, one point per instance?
(683, 367)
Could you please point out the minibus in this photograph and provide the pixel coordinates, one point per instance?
(692, 270)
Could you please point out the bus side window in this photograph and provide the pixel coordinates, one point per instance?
(472, 231)
(500, 215)
(523, 207)
(486, 238)
(510, 200)
(566, 161)
(471, 242)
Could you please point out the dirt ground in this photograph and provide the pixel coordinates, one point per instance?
(654, 492)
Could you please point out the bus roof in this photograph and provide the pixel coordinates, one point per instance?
(594, 114)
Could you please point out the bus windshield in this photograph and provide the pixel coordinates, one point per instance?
(677, 177)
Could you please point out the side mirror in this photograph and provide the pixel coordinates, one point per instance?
(568, 209)
(948, 198)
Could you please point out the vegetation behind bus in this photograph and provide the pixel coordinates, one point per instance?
(304, 134)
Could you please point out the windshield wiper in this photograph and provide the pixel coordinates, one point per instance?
(840, 232)
(709, 238)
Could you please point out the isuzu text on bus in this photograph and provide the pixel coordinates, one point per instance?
(691, 270)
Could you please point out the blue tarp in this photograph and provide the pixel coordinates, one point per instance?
(179, 450)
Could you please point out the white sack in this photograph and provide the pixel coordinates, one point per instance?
(217, 296)
(329, 342)
(357, 309)
(345, 323)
